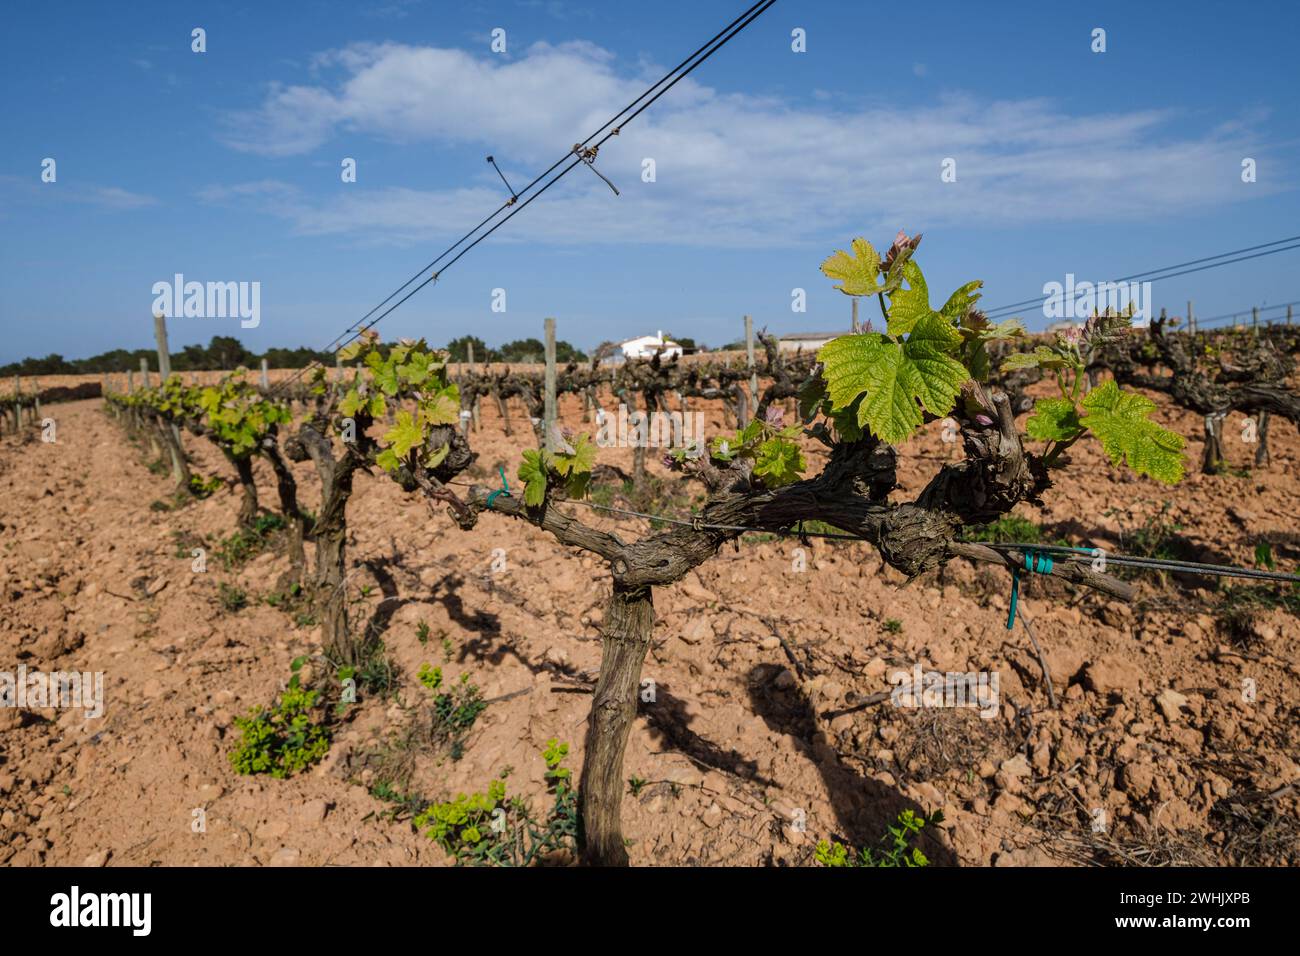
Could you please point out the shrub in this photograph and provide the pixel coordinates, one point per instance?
(284, 740)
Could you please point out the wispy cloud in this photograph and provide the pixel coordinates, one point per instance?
(111, 198)
(738, 169)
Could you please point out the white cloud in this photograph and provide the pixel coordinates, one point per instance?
(731, 168)
(112, 198)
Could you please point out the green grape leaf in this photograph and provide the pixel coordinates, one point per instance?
(580, 461)
(1120, 421)
(846, 422)
(387, 460)
(1041, 355)
(418, 368)
(405, 434)
(858, 272)
(443, 407)
(1054, 419)
(532, 472)
(377, 405)
(385, 376)
(811, 395)
(778, 462)
(1010, 329)
(909, 306)
(960, 302)
(898, 379)
(576, 485)
(352, 403)
(436, 457)
(723, 448)
(352, 350)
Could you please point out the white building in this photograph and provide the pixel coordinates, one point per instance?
(806, 341)
(647, 346)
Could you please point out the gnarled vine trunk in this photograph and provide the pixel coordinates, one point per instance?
(329, 594)
(180, 467)
(627, 630)
(248, 501)
(287, 489)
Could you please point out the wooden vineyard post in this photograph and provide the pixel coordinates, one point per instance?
(469, 349)
(266, 377)
(1191, 320)
(144, 372)
(549, 396)
(753, 372)
(1288, 315)
(854, 325)
(172, 431)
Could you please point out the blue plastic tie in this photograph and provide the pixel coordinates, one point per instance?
(503, 490)
(1035, 563)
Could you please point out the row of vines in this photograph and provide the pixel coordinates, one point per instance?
(395, 410)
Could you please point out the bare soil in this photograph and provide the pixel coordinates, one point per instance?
(757, 743)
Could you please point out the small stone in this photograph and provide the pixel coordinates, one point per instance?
(1136, 779)
(285, 856)
(272, 830)
(1170, 703)
(209, 792)
(698, 631)
(313, 812)
(96, 859)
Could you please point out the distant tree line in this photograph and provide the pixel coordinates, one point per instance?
(520, 350)
(225, 352)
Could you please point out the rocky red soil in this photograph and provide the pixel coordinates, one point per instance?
(763, 736)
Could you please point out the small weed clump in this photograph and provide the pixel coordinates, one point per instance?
(232, 599)
(897, 847)
(485, 829)
(201, 487)
(236, 549)
(285, 739)
(454, 709)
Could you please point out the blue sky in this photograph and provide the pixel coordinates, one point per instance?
(225, 165)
